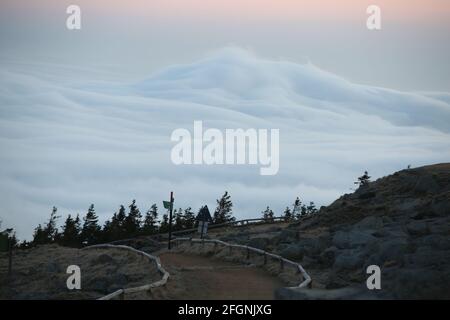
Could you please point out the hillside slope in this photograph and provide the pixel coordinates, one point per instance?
(400, 223)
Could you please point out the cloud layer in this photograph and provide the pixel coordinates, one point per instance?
(67, 141)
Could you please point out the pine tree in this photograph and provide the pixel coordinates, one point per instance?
(189, 218)
(150, 221)
(178, 219)
(363, 180)
(311, 209)
(303, 210)
(223, 212)
(132, 223)
(164, 227)
(90, 233)
(39, 236)
(70, 236)
(268, 214)
(288, 216)
(50, 230)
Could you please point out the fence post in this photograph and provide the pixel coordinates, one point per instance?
(230, 248)
(281, 264)
(265, 258)
(248, 253)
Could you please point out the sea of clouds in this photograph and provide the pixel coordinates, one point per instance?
(68, 140)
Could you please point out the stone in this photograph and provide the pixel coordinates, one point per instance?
(293, 251)
(369, 223)
(389, 249)
(328, 256)
(259, 243)
(426, 184)
(417, 228)
(104, 259)
(348, 259)
(352, 239)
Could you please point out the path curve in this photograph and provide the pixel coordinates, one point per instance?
(202, 278)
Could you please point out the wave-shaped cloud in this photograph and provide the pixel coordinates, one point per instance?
(68, 143)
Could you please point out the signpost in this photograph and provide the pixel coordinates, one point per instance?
(169, 205)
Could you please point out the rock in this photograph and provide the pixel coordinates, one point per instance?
(119, 281)
(436, 241)
(352, 239)
(328, 257)
(441, 206)
(389, 249)
(104, 259)
(416, 283)
(287, 236)
(259, 243)
(348, 259)
(294, 251)
(99, 284)
(430, 257)
(53, 267)
(369, 223)
(417, 228)
(426, 184)
(335, 281)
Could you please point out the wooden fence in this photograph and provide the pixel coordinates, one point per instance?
(121, 292)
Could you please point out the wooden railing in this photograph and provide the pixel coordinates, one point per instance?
(121, 292)
(307, 282)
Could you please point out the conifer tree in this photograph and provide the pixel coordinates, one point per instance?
(311, 209)
(39, 236)
(50, 230)
(224, 211)
(178, 219)
(150, 220)
(70, 236)
(189, 218)
(268, 214)
(164, 227)
(288, 216)
(132, 223)
(364, 180)
(90, 233)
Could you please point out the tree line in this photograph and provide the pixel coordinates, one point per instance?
(128, 222)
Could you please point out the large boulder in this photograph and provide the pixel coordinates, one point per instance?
(259, 242)
(352, 238)
(417, 228)
(349, 259)
(294, 251)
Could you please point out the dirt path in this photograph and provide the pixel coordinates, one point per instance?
(202, 278)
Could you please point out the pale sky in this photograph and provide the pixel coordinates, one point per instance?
(133, 38)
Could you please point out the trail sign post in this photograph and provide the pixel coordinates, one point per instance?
(169, 205)
(203, 218)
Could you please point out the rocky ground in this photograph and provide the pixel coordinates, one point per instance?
(400, 223)
(40, 273)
